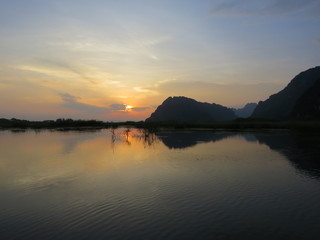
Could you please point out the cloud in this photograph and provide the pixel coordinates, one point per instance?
(140, 109)
(72, 102)
(68, 98)
(144, 90)
(123, 108)
(59, 73)
(262, 7)
(117, 107)
(289, 6)
(88, 73)
(57, 68)
(132, 46)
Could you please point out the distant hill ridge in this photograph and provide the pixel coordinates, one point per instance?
(287, 104)
(300, 99)
(183, 109)
(246, 111)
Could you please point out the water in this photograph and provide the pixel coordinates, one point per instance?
(132, 184)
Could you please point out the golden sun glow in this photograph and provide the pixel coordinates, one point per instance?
(128, 107)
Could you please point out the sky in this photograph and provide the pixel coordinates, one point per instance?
(117, 60)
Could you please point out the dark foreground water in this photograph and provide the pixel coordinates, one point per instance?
(131, 184)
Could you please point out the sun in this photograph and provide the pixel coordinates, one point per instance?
(128, 107)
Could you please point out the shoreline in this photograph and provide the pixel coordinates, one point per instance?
(236, 125)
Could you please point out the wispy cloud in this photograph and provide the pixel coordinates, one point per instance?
(262, 7)
(132, 46)
(117, 107)
(145, 90)
(60, 73)
(59, 69)
(73, 102)
(140, 109)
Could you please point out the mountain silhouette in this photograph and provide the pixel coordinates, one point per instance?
(246, 111)
(308, 105)
(287, 104)
(183, 109)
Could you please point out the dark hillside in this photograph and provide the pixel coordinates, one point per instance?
(182, 109)
(281, 104)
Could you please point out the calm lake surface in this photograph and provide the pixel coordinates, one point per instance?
(132, 184)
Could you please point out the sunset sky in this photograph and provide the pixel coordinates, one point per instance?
(118, 60)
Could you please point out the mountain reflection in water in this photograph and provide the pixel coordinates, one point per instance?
(129, 183)
(302, 150)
